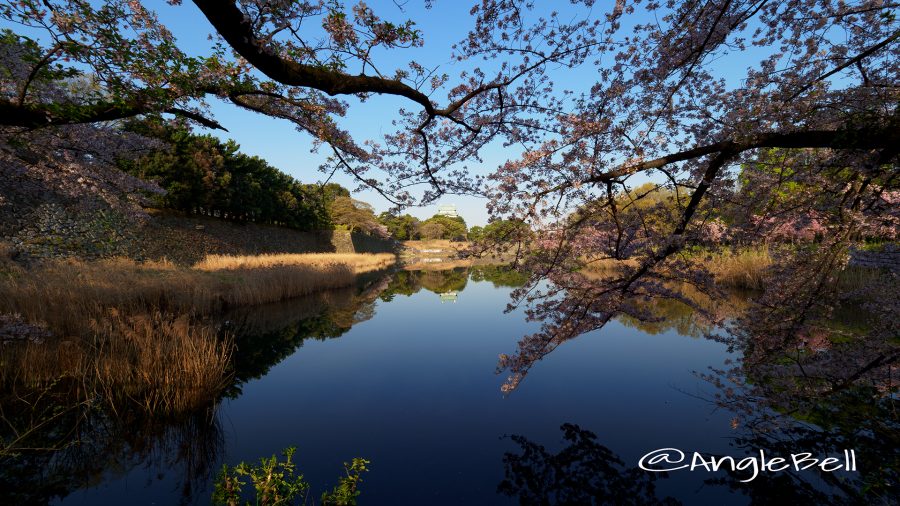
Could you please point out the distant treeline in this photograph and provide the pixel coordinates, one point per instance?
(406, 227)
(204, 175)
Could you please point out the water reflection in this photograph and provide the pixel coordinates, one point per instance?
(824, 387)
(824, 398)
(81, 445)
(583, 472)
(660, 315)
(448, 283)
(268, 334)
(870, 429)
(587, 472)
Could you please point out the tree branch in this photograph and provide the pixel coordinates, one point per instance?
(237, 31)
(207, 122)
(34, 71)
(42, 115)
(858, 138)
(852, 61)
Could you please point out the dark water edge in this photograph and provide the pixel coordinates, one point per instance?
(401, 371)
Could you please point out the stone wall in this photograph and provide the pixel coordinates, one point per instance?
(888, 257)
(52, 230)
(362, 243)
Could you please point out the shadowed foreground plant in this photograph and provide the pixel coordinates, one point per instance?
(347, 490)
(276, 483)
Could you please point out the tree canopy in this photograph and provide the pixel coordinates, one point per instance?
(405, 227)
(401, 227)
(356, 215)
(432, 230)
(453, 229)
(204, 175)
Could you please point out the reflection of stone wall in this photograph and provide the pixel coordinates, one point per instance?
(887, 258)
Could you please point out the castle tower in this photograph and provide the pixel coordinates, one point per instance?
(448, 210)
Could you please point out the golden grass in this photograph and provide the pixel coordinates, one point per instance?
(62, 294)
(746, 268)
(358, 262)
(169, 365)
(161, 364)
(602, 267)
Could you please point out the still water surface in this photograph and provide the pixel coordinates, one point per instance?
(403, 373)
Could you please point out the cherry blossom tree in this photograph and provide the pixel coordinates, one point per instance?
(660, 108)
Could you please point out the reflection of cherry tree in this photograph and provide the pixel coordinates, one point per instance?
(785, 418)
(694, 131)
(587, 472)
(821, 384)
(584, 472)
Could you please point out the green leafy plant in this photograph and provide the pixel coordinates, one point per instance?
(276, 482)
(347, 490)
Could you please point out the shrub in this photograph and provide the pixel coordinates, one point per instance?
(275, 482)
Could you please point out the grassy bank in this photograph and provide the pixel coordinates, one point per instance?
(140, 334)
(441, 244)
(750, 268)
(357, 262)
(435, 248)
(746, 268)
(61, 295)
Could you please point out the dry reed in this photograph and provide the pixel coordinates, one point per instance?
(857, 279)
(169, 365)
(745, 268)
(598, 268)
(164, 365)
(437, 244)
(61, 295)
(358, 262)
